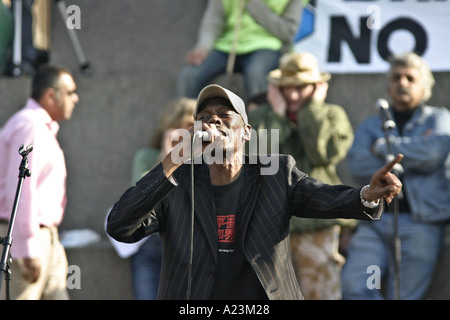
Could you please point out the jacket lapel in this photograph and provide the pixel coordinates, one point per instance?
(251, 190)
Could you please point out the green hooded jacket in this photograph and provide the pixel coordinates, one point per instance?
(318, 141)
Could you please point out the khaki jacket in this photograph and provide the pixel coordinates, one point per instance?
(318, 141)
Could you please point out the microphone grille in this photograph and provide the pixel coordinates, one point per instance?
(382, 103)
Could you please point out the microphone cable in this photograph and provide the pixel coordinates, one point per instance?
(191, 245)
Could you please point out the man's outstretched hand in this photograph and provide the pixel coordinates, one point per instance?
(383, 183)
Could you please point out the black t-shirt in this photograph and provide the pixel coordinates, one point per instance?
(235, 277)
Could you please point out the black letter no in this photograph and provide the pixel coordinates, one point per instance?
(402, 23)
(340, 32)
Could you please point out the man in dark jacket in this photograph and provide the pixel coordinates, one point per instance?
(232, 240)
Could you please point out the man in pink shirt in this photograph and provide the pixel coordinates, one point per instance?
(39, 268)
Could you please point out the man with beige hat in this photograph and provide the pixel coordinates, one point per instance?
(318, 136)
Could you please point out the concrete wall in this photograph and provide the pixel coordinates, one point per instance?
(135, 49)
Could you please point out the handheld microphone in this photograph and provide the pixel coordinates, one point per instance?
(383, 107)
(204, 135)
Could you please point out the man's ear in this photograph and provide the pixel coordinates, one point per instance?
(247, 132)
(49, 101)
(48, 96)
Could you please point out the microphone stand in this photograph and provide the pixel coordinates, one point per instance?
(6, 260)
(397, 170)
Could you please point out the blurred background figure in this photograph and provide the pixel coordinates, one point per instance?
(35, 35)
(145, 256)
(422, 135)
(256, 31)
(39, 265)
(318, 135)
(6, 34)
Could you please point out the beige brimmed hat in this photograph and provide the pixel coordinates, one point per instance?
(296, 69)
(216, 91)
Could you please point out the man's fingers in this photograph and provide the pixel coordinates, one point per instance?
(388, 167)
(393, 190)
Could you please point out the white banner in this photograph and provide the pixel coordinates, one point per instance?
(352, 36)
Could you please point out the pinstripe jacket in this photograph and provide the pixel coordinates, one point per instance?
(157, 204)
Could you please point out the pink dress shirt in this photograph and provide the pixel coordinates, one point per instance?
(43, 197)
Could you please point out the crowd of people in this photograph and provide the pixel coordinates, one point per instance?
(209, 221)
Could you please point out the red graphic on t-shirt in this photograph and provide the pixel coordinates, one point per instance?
(226, 228)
